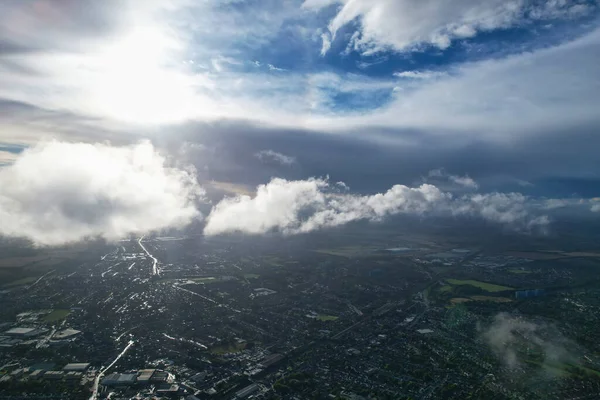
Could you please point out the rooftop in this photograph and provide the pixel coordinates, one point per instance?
(76, 367)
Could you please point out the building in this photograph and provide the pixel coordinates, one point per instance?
(37, 374)
(272, 359)
(80, 367)
(21, 332)
(110, 380)
(54, 375)
(170, 390)
(199, 377)
(524, 294)
(247, 391)
(73, 376)
(119, 380)
(66, 334)
(144, 376)
(162, 377)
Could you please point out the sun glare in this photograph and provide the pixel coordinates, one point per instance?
(137, 81)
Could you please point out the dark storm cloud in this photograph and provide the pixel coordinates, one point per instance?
(567, 158)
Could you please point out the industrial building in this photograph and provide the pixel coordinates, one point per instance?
(66, 334)
(21, 332)
(247, 391)
(79, 367)
(116, 379)
(144, 376)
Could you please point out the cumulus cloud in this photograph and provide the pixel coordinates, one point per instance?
(58, 192)
(270, 156)
(464, 181)
(293, 207)
(511, 209)
(405, 24)
(507, 335)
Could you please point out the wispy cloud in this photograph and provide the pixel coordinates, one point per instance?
(463, 181)
(273, 156)
(419, 74)
(507, 334)
(404, 25)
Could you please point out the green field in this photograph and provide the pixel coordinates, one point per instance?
(519, 271)
(488, 287)
(56, 315)
(225, 348)
(326, 318)
(346, 252)
(492, 299)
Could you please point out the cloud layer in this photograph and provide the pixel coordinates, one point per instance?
(56, 193)
(293, 207)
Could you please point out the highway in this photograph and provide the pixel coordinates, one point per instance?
(207, 299)
(103, 371)
(155, 270)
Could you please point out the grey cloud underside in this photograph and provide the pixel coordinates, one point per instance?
(293, 207)
(57, 193)
(558, 163)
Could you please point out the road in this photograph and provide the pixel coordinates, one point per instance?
(155, 270)
(207, 299)
(40, 279)
(103, 371)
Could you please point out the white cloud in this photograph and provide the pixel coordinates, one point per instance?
(274, 68)
(57, 192)
(273, 156)
(522, 94)
(596, 207)
(326, 39)
(511, 209)
(552, 204)
(464, 181)
(419, 74)
(508, 334)
(293, 207)
(406, 24)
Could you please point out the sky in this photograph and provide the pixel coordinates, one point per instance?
(290, 116)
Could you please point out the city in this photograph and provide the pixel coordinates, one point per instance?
(365, 315)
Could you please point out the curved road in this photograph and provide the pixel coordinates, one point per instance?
(155, 270)
(103, 371)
